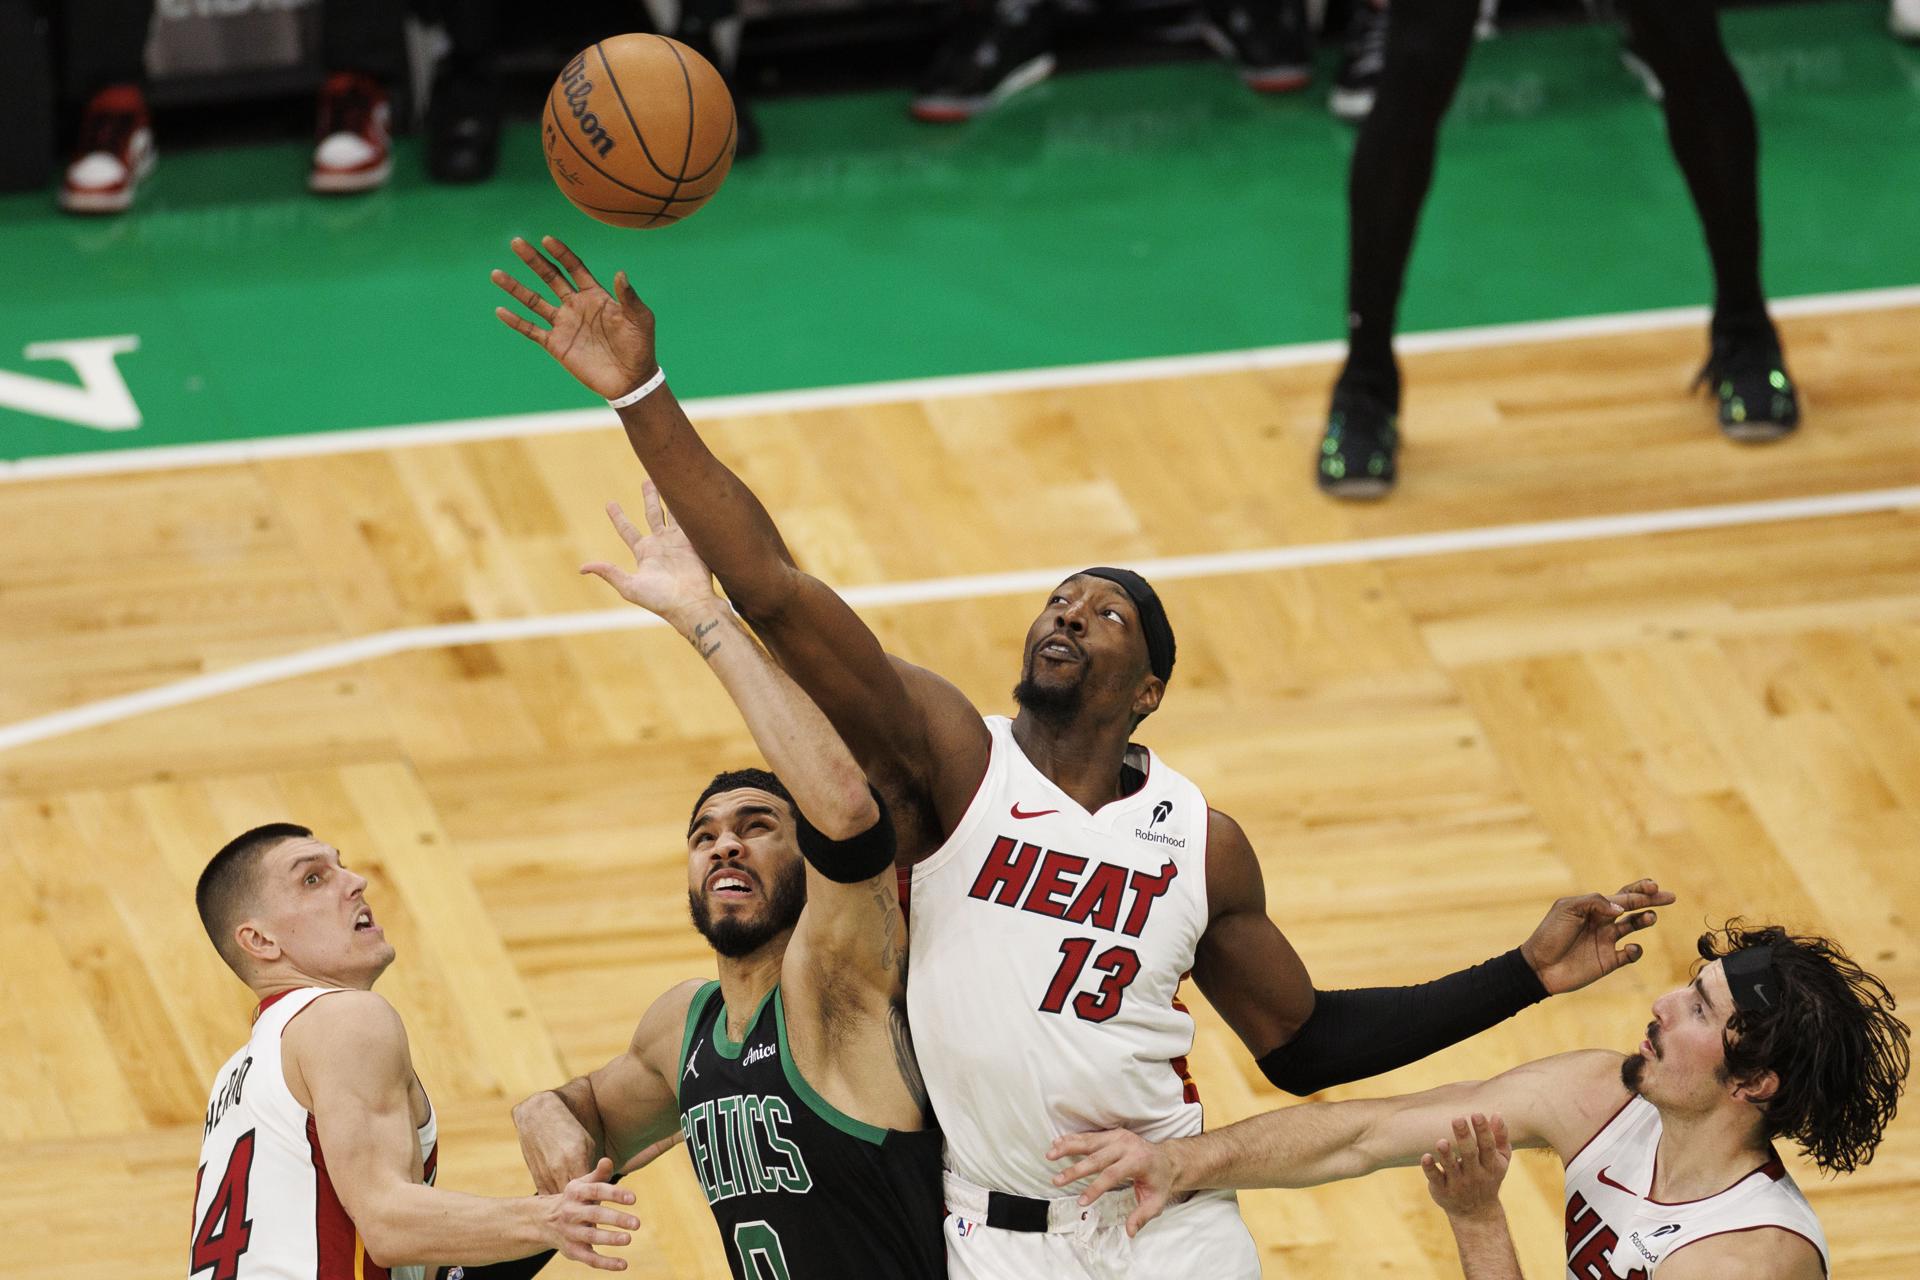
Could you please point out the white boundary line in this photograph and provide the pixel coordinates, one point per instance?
(1268, 559)
(169, 457)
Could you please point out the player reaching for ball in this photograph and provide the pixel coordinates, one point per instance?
(1064, 880)
(792, 1076)
(1668, 1150)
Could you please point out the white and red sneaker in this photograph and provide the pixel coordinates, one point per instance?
(355, 151)
(114, 153)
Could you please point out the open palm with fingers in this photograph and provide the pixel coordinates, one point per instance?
(1464, 1173)
(668, 576)
(1578, 942)
(604, 339)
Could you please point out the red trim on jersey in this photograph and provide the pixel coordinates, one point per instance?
(1765, 1226)
(338, 1243)
(903, 882)
(273, 1000)
(1772, 1168)
(1603, 1128)
(1189, 1092)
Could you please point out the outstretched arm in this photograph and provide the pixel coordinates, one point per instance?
(348, 1063)
(1307, 1039)
(1557, 1102)
(627, 1111)
(1464, 1173)
(917, 737)
(852, 927)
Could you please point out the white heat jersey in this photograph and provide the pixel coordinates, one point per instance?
(1616, 1231)
(263, 1206)
(1048, 945)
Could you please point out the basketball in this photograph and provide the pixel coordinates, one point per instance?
(638, 131)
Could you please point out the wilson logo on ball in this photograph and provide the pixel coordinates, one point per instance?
(661, 142)
(578, 88)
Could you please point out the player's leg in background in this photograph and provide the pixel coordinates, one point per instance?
(1711, 127)
(364, 46)
(463, 104)
(104, 70)
(1426, 52)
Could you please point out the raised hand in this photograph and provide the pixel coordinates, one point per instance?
(1464, 1174)
(668, 576)
(1115, 1159)
(577, 1219)
(1576, 944)
(603, 339)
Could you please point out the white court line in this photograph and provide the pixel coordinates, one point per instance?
(1214, 564)
(169, 457)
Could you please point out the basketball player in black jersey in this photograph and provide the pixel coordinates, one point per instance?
(792, 1077)
(1711, 128)
(1095, 663)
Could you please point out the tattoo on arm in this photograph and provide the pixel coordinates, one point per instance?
(903, 1055)
(893, 934)
(700, 633)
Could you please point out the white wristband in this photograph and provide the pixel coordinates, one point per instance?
(642, 391)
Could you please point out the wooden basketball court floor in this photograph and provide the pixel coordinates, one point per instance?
(1425, 749)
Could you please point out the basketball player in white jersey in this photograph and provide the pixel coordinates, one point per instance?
(1668, 1150)
(320, 1147)
(1064, 880)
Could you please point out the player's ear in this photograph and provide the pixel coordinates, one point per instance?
(1147, 700)
(1758, 1090)
(254, 942)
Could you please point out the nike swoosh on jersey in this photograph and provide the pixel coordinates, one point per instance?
(1602, 1175)
(1037, 813)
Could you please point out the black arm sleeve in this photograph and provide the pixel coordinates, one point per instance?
(1356, 1034)
(849, 861)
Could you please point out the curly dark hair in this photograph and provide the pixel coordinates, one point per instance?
(1832, 1039)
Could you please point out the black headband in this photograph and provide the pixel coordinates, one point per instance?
(1153, 615)
(1752, 978)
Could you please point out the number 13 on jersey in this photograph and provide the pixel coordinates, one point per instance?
(1119, 965)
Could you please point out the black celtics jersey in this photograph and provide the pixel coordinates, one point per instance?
(800, 1190)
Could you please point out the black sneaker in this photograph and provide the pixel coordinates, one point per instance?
(1357, 452)
(1361, 63)
(1748, 376)
(987, 60)
(1267, 41)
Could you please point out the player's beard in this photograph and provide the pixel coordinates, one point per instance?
(1057, 704)
(733, 937)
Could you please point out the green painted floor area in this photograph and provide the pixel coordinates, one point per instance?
(1104, 216)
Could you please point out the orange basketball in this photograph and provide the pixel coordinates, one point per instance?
(638, 131)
